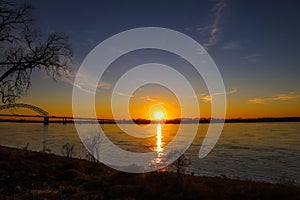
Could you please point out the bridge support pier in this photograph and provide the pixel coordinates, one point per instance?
(46, 120)
(64, 120)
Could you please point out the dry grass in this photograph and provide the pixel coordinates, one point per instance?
(32, 175)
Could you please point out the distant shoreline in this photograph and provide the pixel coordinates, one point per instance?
(172, 121)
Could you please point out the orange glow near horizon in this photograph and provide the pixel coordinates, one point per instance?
(238, 105)
(139, 108)
(154, 102)
(157, 112)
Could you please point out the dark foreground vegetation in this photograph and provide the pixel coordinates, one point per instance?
(33, 175)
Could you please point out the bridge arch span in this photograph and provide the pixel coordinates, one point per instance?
(24, 105)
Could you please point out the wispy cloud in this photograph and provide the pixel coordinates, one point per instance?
(90, 42)
(148, 98)
(104, 85)
(123, 94)
(214, 29)
(232, 46)
(234, 90)
(274, 98)
(206, 98)
(89, 87)
(85, 83)
(253, 57)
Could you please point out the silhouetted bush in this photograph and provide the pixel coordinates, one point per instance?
(180, 165)
(68, 150)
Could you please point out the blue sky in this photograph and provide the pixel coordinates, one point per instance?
(255, 44)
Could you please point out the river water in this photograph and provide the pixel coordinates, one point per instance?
(257, 151)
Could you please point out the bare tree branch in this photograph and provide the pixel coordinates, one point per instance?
(22, 51)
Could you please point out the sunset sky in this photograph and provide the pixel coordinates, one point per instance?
(255, 45)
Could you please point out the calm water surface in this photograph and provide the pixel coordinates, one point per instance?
(257, 151)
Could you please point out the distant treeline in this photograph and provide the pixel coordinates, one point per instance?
(234, 120)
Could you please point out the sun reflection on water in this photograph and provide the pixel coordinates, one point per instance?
(159, 149)
(158, 160)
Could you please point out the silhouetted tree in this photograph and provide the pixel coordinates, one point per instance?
(93, 146)
(22, 51)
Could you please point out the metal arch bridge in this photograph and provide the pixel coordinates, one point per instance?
(30, 107)
(45, 115)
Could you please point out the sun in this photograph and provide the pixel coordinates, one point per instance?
(159, 115)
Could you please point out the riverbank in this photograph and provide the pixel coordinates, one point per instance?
(33, 175)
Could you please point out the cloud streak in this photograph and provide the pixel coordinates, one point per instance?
(232, 46)
(253, 57)
(148, 98)
(124, 94)
(85, 84)
(214, 29)
(274, 98)
(208, 98)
